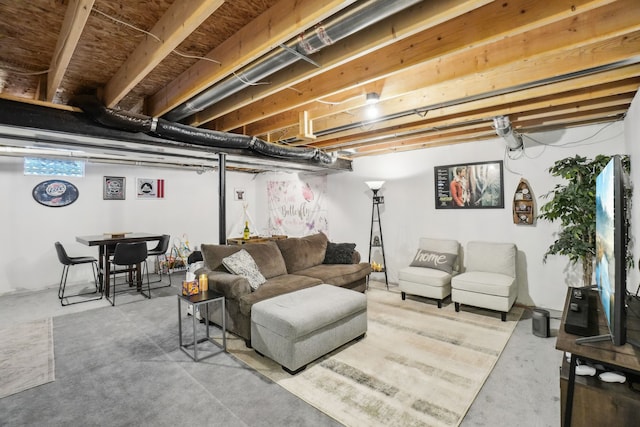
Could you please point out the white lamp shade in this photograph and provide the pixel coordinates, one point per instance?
(375, 185)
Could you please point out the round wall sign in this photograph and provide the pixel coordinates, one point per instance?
(55, 193)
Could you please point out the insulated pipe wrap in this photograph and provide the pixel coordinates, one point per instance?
(192, 135)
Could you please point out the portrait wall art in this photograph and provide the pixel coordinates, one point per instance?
(469, 186)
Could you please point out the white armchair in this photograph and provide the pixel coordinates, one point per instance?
(430, 272)
(489, 280)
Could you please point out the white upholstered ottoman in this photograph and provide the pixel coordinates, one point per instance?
(296, 328)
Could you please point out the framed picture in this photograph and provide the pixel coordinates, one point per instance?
(469, 186)
(148, 188)
(55, 193)
(113, 188)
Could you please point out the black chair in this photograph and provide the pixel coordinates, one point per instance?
(67, 262)
(161, 250)
(130, 258)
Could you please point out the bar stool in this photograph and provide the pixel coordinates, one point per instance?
(130, 258)
(161, 250)
(67, 262)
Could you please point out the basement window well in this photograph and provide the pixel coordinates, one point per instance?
(54, 167)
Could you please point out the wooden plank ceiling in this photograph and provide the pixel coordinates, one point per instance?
(442, 69)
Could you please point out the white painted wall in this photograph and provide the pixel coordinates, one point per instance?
(632, 144)
(28, 259)
(409, 210)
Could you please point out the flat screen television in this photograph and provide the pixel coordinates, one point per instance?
(611, 248)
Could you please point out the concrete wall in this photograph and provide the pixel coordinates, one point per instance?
(409, 210)
(28, 260)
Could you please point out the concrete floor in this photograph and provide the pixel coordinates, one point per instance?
(523, 389)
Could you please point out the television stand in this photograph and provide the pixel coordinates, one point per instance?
(595, 338)
(588, 399)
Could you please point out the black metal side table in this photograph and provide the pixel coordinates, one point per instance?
(198, 300)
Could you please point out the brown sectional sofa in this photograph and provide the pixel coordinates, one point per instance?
(288, 265)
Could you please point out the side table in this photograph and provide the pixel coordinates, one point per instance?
(198, 300)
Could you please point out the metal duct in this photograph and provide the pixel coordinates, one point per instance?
(197, 136)
(503, 128)
(334, 29)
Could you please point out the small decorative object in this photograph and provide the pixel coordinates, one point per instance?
(113, 188)
(150, 188)
(376, 241)
(246, 233)
(55, 193)
(203, 282)
(523, 204)
(238, 194)
(376, 266)
(190, 287)
(116, 235)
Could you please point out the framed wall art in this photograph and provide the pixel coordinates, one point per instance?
(55, 193)
(148, 188)
(469, 186)
(113, 188)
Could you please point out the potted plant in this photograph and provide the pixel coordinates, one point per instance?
(573, 204)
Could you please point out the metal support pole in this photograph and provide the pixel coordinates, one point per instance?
(222, 205)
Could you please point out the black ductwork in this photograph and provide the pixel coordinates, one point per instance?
(192, 135)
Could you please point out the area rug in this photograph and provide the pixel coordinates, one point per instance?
(26, 356)
(417, 366)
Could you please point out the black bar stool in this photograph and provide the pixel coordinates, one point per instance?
(130, 258)
(161, 250)
(67, 262)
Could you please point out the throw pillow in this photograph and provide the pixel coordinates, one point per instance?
(339, 253)
(242, 264)
(436, 260)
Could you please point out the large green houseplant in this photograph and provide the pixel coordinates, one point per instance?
(573, 204)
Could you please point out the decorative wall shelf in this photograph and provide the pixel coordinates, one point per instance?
(524, 205)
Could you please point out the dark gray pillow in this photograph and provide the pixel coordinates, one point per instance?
(339, 253)
(436, 260)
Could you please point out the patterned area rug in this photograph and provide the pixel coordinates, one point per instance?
(26, 356)
(417, 366)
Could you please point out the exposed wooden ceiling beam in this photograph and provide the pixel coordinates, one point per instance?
(278, 25)
(180, 20)
(443, 87)
(75, 18)
(397, 27)
(412, 59)
(623, 80)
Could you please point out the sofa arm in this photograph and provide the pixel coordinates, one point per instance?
(230, 285)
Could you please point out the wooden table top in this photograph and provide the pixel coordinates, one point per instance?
(105, 239)
(624, 356)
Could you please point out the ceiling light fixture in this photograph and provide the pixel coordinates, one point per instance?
(503, 128)
(373, 98)
(371, 112)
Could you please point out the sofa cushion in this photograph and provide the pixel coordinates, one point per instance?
(436, 260)
(242, 264)
(425, 276)
(273, 287)
(300, 313)
(266, 255)
(337, 274)
(484, 283)
(339, 253)
(491, 257)
(447, 246)
(303, 252)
